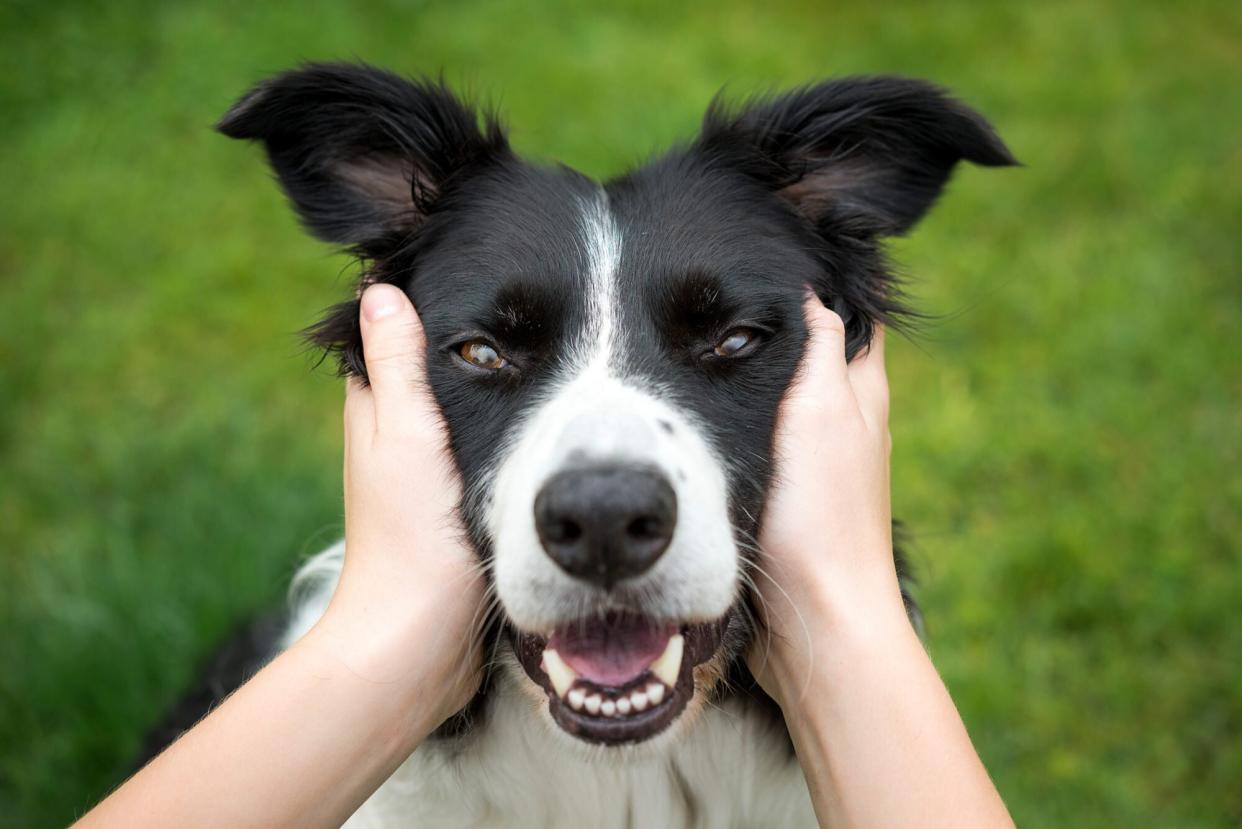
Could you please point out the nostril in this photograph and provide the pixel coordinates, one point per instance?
(645, 528)
(563, 531)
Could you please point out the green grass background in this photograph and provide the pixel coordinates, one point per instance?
(1067, 435)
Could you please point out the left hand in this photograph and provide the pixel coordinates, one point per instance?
(827, 561)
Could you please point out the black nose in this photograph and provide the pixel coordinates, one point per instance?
(606, 523)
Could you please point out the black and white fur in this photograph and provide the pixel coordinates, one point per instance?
(607, 300)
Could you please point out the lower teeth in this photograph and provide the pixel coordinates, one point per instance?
(597, 705)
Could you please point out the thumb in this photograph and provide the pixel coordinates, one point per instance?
(393, 346)
(824, 359)
(870, 383)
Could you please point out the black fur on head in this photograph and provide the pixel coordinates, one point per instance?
(366, 157)
(636, 282)
(856, 160)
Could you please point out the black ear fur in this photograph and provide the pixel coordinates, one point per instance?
(876, 151)
(362, 153)
(858, 159)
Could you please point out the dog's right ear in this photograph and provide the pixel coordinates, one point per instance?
(362, 153)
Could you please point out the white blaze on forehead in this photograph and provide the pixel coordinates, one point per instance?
(594, 413)
(602, 242)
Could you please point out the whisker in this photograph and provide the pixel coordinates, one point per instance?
(801, 620)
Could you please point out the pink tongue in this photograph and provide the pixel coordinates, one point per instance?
(611, 651)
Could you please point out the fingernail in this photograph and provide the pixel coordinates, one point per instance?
(379, 301)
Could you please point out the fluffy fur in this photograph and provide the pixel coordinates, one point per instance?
(609, 303)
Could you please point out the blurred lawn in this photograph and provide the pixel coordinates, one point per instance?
(1067, 436)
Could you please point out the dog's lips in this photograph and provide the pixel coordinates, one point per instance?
(618, 679)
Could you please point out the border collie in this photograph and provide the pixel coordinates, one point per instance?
(609, 359)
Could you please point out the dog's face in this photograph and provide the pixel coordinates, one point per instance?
(610, 358)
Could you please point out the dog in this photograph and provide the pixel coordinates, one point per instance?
(609, 359)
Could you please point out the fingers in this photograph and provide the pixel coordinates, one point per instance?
(395, 349)
(359, 412)
(825, 376)
(824, 359)
(870, 382)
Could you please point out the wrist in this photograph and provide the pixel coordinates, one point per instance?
(398, 661)
(840, 626)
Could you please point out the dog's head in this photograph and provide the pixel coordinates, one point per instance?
(610, 357)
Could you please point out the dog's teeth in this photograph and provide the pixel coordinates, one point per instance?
(668, 666)
(562, 675)
(666, 669)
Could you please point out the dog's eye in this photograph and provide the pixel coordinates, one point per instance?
(737, 342)
(483, 354)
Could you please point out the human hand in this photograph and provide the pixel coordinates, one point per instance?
(411, 590)
(826, 535)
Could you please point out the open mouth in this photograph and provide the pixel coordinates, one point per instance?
(620, 677)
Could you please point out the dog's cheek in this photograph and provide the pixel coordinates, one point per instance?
(534, 699)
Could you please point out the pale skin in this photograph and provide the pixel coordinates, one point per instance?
(877, 735)
(313, 734)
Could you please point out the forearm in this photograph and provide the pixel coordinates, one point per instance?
(877, 735)
(302, 744)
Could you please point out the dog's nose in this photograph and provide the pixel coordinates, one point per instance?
(606, 523)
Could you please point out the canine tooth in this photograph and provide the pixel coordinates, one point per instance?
(576, 697)
(623, 705)
(639, 700)
(668, 666)
(562, 675)
(592, 704)
(608, 708)
(655, 693)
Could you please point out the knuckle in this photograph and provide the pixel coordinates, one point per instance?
(882, 403)
(384, 357)
(354, 408)
(832, 323)
(814, 409)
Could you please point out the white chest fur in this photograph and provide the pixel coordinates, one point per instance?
(728, 769)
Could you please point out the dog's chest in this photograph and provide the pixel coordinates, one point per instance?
(731, 768)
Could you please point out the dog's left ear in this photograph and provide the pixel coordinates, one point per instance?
(876, 151)
(858, 159)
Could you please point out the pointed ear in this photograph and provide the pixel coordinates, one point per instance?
(362, 153)
(875, 151)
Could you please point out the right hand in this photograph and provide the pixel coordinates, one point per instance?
(409, 600)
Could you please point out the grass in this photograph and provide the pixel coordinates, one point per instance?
(1068, 435)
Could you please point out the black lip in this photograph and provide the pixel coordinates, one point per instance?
(702, 641)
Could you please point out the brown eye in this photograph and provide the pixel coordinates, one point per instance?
(482, 354)
(735, 342)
